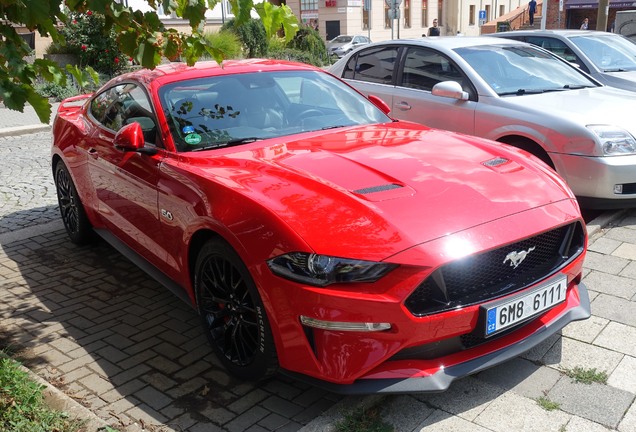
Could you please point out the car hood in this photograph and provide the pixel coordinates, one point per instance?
(623, 80)
(377, 190)
(598, 105)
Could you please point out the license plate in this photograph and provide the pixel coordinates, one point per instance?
(525, 306)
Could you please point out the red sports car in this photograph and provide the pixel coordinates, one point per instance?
(314, 234)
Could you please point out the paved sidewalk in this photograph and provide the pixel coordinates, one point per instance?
(104, 333)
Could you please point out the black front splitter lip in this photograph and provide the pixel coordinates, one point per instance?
(440, 381)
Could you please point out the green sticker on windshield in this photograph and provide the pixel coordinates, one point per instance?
(193, 139)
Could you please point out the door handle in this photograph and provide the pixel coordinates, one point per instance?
(403, 106)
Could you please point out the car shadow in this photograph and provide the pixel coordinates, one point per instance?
(90, 322)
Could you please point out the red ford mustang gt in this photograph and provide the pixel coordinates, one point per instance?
(314, 234)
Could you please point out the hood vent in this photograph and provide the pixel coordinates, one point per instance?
(495, 162)
(374, 189)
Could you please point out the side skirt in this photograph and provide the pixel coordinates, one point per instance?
(144, 265)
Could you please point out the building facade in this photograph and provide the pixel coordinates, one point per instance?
(374, 18)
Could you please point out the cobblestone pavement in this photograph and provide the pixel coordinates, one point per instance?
(94, 325)
(27, 192)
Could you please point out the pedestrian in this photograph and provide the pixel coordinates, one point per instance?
(585, 24)
(532, 9)
(433, 31)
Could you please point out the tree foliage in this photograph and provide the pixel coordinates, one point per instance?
(140, 35)
(251, 34)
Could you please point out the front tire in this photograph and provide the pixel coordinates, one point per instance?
(233, 314)
(77, 225)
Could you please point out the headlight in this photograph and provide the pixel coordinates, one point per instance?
(614, 141)
(323, 270)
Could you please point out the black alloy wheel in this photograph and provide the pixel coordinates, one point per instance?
(74, 217)
(232, 313)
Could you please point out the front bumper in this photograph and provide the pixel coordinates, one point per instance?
(443, 378)
(593, 179)
(431, 349)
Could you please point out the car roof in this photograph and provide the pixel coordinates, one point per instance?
(178, 71)
(450, 42)
(557, 32)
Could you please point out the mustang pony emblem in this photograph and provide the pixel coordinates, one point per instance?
(517, 258)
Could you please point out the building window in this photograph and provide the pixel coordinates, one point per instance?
(309, 13)
(471, 15)
(440, 12)
(502, 10)
(488, 18)
(366, 15)
(407, 13)
(387, 20)
(424, 13)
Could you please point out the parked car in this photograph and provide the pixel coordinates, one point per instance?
(343, 44)
(316, 235)
(511, 92)
(608, 57)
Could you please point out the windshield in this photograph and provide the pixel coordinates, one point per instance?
(236, 109)
(522, 70)
(343, 39)
(608, 53)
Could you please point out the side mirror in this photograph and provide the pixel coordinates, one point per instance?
(386, 109)
(131, 138)
(450, 89)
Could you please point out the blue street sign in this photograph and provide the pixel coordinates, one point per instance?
(482, 14)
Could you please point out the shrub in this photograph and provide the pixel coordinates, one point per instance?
(295, 55)
(55, 91)
(226, 41)
(307, 39)
(86, 37)
(252, 36)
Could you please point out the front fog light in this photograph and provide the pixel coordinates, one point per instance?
(618, 189)
(344, 326)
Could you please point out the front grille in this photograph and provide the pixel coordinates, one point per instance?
(492, 274)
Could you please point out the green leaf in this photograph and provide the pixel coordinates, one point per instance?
(41, 105)
(50, 71)
(148, 55)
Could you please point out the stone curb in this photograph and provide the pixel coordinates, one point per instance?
(23, 130)
(59, 401)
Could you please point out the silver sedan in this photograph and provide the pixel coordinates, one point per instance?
(514, 93)
(608, 57)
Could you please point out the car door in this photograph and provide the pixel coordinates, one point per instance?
(125, 182)
(421, 69)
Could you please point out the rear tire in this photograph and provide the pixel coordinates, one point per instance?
(77, 225)
(232, 313)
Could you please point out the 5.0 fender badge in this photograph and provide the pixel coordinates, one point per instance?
(166, 214)
(517, 258)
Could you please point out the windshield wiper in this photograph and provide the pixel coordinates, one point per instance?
(239, 141)
(334, 127)
(229, 143)
(521, 92)
(615, 70)
(577, 86)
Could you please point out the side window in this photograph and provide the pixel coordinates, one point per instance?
(423, 68)
(557, 47)
(122, 105)
(374, 65)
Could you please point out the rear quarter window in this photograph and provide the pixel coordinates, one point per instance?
(376, 65)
